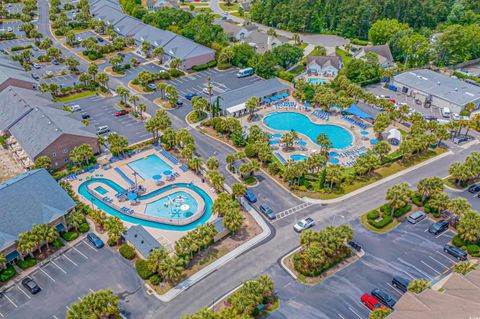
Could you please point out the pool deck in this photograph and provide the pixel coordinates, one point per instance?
(311, 147)
(167, 237)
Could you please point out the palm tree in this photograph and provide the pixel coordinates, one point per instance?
(382, 149)
(418, 285)
(172, 94)
(296, 39)
(134, 99)
(47, 233)
(115, 228)
(43, 162)
(398, 196)
(97, 304)
(142, 108)
(123, 92)
(212, 163)
(429, 186)
(26, 245)
(458, 206)
(251, 105)
(154, 259)
(158, 52)
(334, 174)
(238, 189)
(233, 220)
(175, 63)
(172, 267)
(103, 78)
(195, 163)
(93, 70)
(161, 87)
(469, 226)
(3, 261)
(439, 201)
(464, 267)
(324, 142)
(75, 219)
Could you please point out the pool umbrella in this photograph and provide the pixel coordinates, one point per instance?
(273, 98)
(364, 132)
(273, 142)
(373, 141)
(266, 100)
(307, 104)
(302, 143)
(132, 196)
(157, 177)
(333, 153)
(334, 160)
(277, 135)
(167, 172)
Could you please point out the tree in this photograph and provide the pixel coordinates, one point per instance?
(398, 196)
(158, 53)
(458, 206)
(118, 143)
(172, 267)
(97, 304)
(175, 63)
(233, 220)
(123, 92)
(381, 123)
(226, 55)
(172, 94)
(93, 70)
(383, 30)
(26, 244)
(3, 260)
(287, 54)
(429, 186)
(265, 65)
(238, 189)
(464, 267)
(251, 104)
(72, 63)
(439, 201)
(145, 48)
(469, 226)
(212, 163)
(382, 149)
(288, 139)
(379, 313)
(45, 233)
(43, 162)
(103, 79)
(418, 285)
(134, 99)
(154, 260)
(85, 78)
(115, 228)
(333, 174)
(199, 105)
(324, 141)
(195, 164)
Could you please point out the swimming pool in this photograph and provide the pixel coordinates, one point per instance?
(148, 166)
(316, 81)
(82, 190)
(101, 190)
(177, 206)
(298, 157)
(287, 121)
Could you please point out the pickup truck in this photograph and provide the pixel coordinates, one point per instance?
(303, 224)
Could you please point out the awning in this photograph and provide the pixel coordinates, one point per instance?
(236, 108)
(354, 110)
(12, 255)
(60, 227)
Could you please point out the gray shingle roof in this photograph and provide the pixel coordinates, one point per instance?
(155, 36)
(259, 89)
(10, 69)
(33, 197)
(128, 26)
(449, 89)
(382, 50)
(141, 239)
(33, 123)
(325, 60)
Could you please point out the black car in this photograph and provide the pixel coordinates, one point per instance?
(55, 62)
(383, 297)
(179, 103)
(400, 283)
(267, 211)
(474, 188)
(85, 115)
(31, 285)
(438, 227)
(100, 39)
(354, 245)
(456, 252)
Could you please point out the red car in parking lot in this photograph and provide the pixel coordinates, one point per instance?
(371, 302)
(121, 113)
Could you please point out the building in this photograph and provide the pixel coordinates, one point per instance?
(12, 74)
(155, 5)
(222, 231)
(232, 103)
(175, 46)
(385, 57)
(459, 299)
(141, 240)
(432, 88)
(235, 32)
(323, 65)
(37, 129)
(31, 198)
(263, 42)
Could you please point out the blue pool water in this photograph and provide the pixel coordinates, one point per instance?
(287, 121)
(101, 190)
(298, 157)
(149, 166)
(316, 81)
(82, 190)
(171, 206)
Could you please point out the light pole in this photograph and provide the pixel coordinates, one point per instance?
(135, 176)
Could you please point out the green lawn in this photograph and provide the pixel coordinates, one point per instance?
(298, 69)
(75, 96)
(346, 57)
(376, 230)
(233, 7)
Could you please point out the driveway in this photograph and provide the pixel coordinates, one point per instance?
(72, 275)
(409, 251)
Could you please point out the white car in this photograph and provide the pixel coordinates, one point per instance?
(206, 91)
(48, 72)
(455, 117)
(303, 224)
(75, 108)
(9, 29)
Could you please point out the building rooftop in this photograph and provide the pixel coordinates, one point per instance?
(447, 88)
(141, 239)
(33, 197)
(324, 61)
(10, 69)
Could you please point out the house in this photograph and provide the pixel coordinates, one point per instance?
(459, 298)
(175, 46)
(143, 242)
(432, 88)
(28, 199)
(245, 4)
(235, 32)
(232, 103)
(323, 65)
(155, 5)
(385, 57)
(37, 129)
(12, 74)
(263, 42)
(222, 231)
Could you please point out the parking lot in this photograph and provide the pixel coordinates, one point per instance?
(101, 111)
(66, 80)
(14, 8)
(409, 251)
(7, 45)
(15, 27)
(71, 275)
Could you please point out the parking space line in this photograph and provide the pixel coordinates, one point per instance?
(78, 251)
(436, 271)
(340, 316)
(441, 234)
(8, 298)
(88, 245)
(395, 289)
(23, 292)
(58, 266)
(414, 267)
(46, 274)
(55, 317)
(1, 315)
(453, 261)
(438, 261)
(65, 255)
(350, 308)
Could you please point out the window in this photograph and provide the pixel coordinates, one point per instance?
(65, 150)
(54, 154)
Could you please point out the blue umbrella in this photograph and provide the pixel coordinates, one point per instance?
(132, 196)
(157, 177)
(273, 142)
(273, 98)
(266, 100)
(284, 94)
(332, 153)
(307, 104)
(277, 135)
(302, 143)
(364, 132)
(334, 160)
(374, 141)
(167, 172)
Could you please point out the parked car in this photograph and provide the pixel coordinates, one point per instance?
(438, 227)
(206, 91)
(460, 139)
(100, 39)
(48, 72)
(93, 238)
(9, 29)
(474, 188)
(250, 196)
(354, 245)
(303, 224)
(400, 283)
(190, 96)
(384, 297)
(34, 48)
(456, 252)
(35, 76)
(416, 217)
(31, 285)
(121, 113)
(178, 103)
(455, 116)
(75, 108)
(446, 112)
(152, 86)
(55, 62)
(103, 129)
(36, 65)
(267, 211)
(371, 302)
(85, 115)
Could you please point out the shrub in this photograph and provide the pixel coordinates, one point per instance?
(374, 214)
(127, 252)
(417, 199)
(142, 269)
(250, 180)
(473, 249)
(84, 228)
(430, 210)
(201, 67)
(359, 42)
(155, 279)
(385, 208)
(7, 273)
(111, 242)
(70, 235)
(135, 81)
(27, 263)
(250, 150)
(175, 73)
(436, 214)
(224, 66)
(7, 36)
(57, 243)
(382, 223)
(287, 76)
(401, 211)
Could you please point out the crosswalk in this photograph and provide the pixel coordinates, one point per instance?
(291, 211)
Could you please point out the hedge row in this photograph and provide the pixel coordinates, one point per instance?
(201, 67)
(7, 273)
(142, 269)
(27, 262)
(7, 36)
(127, 252)
(69, 235)
(382, 223)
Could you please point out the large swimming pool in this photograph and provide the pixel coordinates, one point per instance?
(177, 206)
(148, 166)
(82, 190)
(287, 121)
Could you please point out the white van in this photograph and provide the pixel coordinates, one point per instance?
(446, 112)
(75, 108)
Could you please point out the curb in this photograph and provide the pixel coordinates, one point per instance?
(282, 262)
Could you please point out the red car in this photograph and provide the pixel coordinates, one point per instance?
(392, 100)
(370, 302)
(121, 113)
